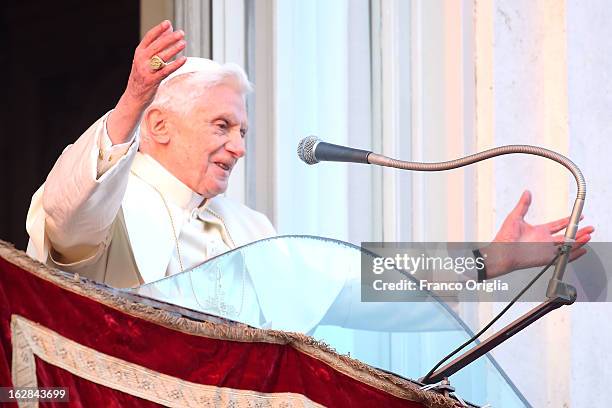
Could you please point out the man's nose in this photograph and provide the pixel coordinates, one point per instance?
(236, 145)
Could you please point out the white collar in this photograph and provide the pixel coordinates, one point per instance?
(173, 190)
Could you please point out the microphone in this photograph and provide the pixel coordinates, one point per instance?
(312, 150)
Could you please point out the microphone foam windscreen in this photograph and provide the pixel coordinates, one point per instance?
(306, 149)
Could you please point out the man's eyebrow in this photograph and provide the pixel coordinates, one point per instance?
(230, 117)
(225, 116)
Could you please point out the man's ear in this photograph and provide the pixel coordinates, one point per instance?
(158, 126)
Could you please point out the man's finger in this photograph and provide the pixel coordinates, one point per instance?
(172, 51)
(171, 67)
(583, 235)
(558, 239)
(558, 225)
(583, 239)
(584, 231)
(154, 33)
(581, 242)
(523, 204)
(163, 42)
(577, 254)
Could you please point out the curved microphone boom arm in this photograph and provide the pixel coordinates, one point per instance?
(312, 150)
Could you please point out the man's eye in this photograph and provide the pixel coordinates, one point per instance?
(243, 133)
(222, 125)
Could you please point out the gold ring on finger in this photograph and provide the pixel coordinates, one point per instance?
(156, 63)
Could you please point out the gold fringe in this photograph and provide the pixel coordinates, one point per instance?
(235, 332)
(31, 339)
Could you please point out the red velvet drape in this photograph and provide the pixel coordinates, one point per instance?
(253, 366)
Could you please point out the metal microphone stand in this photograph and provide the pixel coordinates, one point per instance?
(558, 292)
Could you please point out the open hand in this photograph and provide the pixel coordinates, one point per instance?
(502, 258)
(143, 82)
(162, 41)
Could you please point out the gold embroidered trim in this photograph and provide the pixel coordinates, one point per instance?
(317, 349)
(214, 214)
(32, 339)
(23, 370)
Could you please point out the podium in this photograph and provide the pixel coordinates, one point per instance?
(176, 342)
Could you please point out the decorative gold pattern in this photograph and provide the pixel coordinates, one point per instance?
(238, 332)
(215, 303)
(156, 63)
(23, 367)
(214, 214)
(31, 339)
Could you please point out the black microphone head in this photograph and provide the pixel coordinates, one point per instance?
(306, 149)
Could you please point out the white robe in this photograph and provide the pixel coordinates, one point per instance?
(101, 208)
(114, 227)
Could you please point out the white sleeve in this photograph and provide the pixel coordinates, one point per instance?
(416, 311)
(109, 154)
(350, 312)
(84, 191)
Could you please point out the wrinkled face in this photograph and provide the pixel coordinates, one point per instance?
(209, 140)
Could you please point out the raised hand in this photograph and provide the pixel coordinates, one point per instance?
(162, 41)
(143, 82)
(502, 258)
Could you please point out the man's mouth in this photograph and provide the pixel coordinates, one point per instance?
(223, 166)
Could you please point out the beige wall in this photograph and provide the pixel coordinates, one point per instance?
(154, 11)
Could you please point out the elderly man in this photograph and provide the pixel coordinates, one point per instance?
(124, 208)
(138, 196)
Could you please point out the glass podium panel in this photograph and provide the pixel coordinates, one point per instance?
(294, 282)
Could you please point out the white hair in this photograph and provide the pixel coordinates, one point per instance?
(186, 85)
